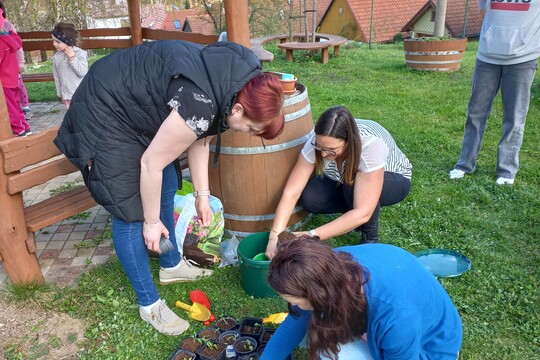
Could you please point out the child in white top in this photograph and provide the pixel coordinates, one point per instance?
(70, 63)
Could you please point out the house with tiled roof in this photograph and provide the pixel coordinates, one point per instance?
(193, 20)
(367, 20)
(153, 16)
(462, 19)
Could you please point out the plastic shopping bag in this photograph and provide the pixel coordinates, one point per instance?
(195, 242)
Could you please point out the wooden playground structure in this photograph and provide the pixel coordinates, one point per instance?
(309, 40)
(306, 39)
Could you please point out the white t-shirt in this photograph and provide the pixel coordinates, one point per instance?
(379, 150)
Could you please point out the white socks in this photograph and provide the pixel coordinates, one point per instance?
(174, 267)
(148, 308)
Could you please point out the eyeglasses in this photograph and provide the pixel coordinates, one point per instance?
(329, 152)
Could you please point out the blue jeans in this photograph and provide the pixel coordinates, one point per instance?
(131, 249)
(323, 195)
(515, 83)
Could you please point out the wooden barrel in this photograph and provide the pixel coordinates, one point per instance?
(252, 172)
(434, 55)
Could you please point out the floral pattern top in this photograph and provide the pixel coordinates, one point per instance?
(195, 107)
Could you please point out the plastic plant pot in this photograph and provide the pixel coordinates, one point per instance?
(191, 344)
(228, 337)
(209, 333)
(266, 335)
(251, 356)
(182, 354)
(212, 351)
(251, 327)
(225, 323)
(245, 345)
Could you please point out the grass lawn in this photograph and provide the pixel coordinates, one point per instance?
(497, 227)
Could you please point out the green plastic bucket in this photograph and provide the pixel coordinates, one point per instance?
(253, 271)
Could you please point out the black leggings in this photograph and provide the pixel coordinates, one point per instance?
(325, 196)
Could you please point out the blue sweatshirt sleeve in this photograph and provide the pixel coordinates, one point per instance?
(287, 336)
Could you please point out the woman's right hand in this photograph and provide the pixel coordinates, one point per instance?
(271, 248)
(152, 235)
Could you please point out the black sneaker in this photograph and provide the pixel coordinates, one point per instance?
(28, 132)
(21, 134)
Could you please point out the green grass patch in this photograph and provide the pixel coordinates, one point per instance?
(496, 226)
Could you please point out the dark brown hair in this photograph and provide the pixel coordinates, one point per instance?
(69, 30)
(262, 99)
(339, 123)
(332, 282)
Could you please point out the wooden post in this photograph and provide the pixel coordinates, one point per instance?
(134, 10)
(236, 14)
(20, 265)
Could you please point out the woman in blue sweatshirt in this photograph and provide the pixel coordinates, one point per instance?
(371, 301)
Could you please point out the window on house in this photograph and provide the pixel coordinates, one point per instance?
(177, 24)
(432, 16)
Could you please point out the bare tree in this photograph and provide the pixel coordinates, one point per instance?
(266, 16)
(216, 11)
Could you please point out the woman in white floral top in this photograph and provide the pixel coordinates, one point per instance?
(135, 112)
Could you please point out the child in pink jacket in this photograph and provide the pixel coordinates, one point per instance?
(10, 42)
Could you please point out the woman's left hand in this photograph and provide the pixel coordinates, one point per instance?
(204, 211)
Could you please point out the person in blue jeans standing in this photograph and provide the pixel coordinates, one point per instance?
(132, 116)
(507, 60)
(362, 302)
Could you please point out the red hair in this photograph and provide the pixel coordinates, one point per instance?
(262, 99)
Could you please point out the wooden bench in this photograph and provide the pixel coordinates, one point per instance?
(256, 45)
(291, 46)
(334, 40)
(25, 163)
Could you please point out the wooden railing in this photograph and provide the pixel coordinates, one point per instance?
(106, 38)
(110, 38)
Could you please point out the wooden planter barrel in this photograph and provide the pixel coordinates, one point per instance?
(250, 174)
(434, 55)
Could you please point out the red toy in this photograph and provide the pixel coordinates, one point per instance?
(198, 296)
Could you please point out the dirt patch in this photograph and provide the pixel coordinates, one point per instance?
(29, 332)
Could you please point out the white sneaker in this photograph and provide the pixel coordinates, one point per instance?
(164, 319)
(456, 174)
(504, 181)
(187, 271)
